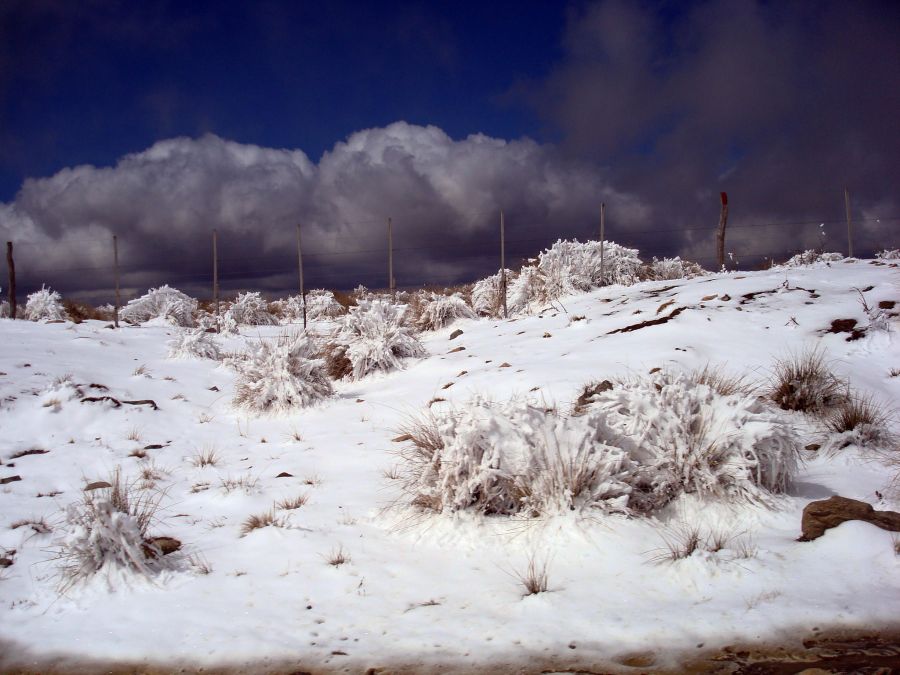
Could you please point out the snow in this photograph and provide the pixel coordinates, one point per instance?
(432, 590)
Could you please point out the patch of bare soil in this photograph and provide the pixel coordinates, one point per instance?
(874, 652)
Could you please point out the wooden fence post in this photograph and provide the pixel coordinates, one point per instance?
(602, 241)
(11, 291)
(116, 264)
(216, 275)
(503, 264)
(849, 223)
(300, 272)
(720, 235)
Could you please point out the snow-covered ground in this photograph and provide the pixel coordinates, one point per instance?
(421, 589)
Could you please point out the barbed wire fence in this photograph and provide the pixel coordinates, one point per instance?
(334, 261)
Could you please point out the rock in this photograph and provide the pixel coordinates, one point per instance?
(5, 562)
(9, 479)
(457, 349)
(812, 447)
(165, 545)
(822, 515)
(455, 334)
(285, 474)
(589, 392)
(153, 446)
(97, 485)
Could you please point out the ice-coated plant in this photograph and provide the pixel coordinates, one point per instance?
(371, 338)
(683, 436)
(45, 305)
(249, 309)
(194, 343)
(438, 311)
(511, 458)
(664, 269)
(486, 294)
(106, 532)
(889, 254)
(811, 257)
(164, 303)
(280, 374)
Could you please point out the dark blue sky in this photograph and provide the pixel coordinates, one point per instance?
(86, 82)
(177, 112)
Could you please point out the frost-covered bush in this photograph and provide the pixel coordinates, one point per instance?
(511, 458)
(486, 294)
(281, 374)
(524, 290)
(685, 437)
(565, 268)
(664, 269)
(890, 254)
(4, 309)
(570, 266)
(811, 257)
(438, 311)
(196, 343)
(106, 532)
(45, 305)
(321, 304)
(635, 446)
(372, 337)
(165, 303)
(249, 309)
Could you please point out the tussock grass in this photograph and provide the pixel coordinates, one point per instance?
(682, 540)
(291, 503)
(259, 521)
(803, 382)
(862, 420)
(37, 525)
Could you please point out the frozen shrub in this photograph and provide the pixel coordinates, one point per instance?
(811, 257)
(804, 383)
(438, 311)
(511, 458)
(372, 338)
(486, 295)
(524, 290)
(249, 309)
(165, 303)
(685, 437)
(570, 266)
(45, 305)
(281, 374)
(107, 532)
(4, 309)
(321, 304)
(671, 268)
(196, 343)
(890, 254)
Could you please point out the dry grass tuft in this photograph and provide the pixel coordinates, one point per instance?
(245, 483)
(291, 503)
(534, 578)
(206, 457)
(723, 384)
(865, 418)
(679, 542)
(338, 557)
(140, 453)
(134, 435)
(37, 525)
(803, 382)
(267, 519)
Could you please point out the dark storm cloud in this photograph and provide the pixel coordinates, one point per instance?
(444, 196)
(779, 104)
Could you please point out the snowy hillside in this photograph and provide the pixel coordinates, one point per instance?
(340, 570)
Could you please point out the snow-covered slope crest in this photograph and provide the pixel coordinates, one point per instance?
(298, 543)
